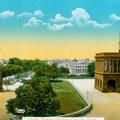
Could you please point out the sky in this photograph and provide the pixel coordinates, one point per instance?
(58, 29)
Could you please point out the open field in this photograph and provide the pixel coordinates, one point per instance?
(4, 96)
(70, 99)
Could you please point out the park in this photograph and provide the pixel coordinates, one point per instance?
(49, 86)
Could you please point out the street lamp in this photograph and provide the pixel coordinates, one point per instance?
(87, 95)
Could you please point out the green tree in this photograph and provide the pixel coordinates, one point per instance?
(41, 69)
(37, 98)
(3, 71)
(1, 82)
(53, 71)
(63, 71)
(15, 69)
(15, 61)
(11, 105)
(91, 69)
(27, 65)
(7, 71)
(2, 74)
(10, 70)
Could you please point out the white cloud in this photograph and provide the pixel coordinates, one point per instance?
(98, 25)
(79, 14)
(25, 14)
(59, 18)
(55, 27)
(79, 18)
(114, 17)
(6, 14)
(38, 13)
(32, 22)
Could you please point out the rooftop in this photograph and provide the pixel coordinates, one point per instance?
(108, 54)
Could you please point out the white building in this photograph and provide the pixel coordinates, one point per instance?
(79, 67)
(76, 67)
(3, 62)
(60, 63)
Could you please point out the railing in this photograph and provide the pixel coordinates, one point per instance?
(78, 113)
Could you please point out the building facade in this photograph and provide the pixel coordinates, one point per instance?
(76, 67)
(60, 63)
(3, 62)
(79, 67)
(107, 74)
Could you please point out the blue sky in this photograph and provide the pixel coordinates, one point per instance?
(98, 11)
(63, 19)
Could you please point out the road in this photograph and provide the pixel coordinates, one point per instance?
(105, 105)
(12, 87)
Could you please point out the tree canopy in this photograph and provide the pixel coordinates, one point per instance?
(37, 99)
(10, 70)
(50, 71)
(91, 69)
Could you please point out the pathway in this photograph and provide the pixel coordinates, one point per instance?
(105, 105)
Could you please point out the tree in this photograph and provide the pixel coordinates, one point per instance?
(1, 82)
(15, 61)
(50, 71)
(91, 69)
(7, 71)
(28, 64)
(10, 70)
(63, 71)
(53, 71)
(37, 98)
(1, 77)
(15, 69)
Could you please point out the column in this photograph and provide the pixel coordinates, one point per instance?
(117, 65)
(112, 65)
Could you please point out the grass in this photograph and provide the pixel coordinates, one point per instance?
(4, 96)
(70, 100)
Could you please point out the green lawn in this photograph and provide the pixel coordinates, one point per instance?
(70, 100)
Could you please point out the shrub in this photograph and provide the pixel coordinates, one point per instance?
(118, 90)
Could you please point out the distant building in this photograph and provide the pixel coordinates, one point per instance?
(3, 62)
(76, 67)
(60, 63)
(79, 67)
